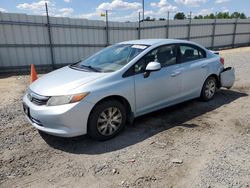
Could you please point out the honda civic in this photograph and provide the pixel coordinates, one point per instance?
(102, 93)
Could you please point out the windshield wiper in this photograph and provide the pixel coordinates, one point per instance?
(75, 63)
(80, 66)
(90, 67)
(77, 66)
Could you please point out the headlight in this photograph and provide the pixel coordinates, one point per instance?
(66, 99)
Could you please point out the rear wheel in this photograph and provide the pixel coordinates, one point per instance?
(208, 89)
(106, 120)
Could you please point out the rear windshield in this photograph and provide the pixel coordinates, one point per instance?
(110, 59)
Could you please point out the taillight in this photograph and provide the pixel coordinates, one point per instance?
(222, 60)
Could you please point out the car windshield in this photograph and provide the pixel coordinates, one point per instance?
(110, 59)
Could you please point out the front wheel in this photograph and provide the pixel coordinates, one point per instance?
(106, 120)
(208, 89)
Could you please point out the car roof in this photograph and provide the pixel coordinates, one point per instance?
(154, 41)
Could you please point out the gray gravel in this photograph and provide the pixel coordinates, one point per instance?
(193, 144)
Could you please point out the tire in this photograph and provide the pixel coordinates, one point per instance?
(209, 89)
(104, 126)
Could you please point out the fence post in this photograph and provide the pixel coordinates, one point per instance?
(139, 26)
(50, 38)
(167, 27)
(234, 34)
(249, 42)
(213, 34)
(107, 29)
(143, 10)
(189, 26)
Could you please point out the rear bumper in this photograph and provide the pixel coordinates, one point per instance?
(65, 120)
(227, 77)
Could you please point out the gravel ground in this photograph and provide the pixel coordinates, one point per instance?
(193, 144)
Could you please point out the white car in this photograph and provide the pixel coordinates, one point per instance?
(103, 92)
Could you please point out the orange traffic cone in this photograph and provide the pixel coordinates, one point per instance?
(33, 74)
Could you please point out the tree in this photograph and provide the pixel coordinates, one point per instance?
(235, 15)
(149, 19)
(243, 16)
(222, 15)
(198, 17)
(238, 15)
(179, 16)
(211, 16)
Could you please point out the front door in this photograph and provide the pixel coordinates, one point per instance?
(160, 88)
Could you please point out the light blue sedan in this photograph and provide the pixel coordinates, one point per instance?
(100, 94)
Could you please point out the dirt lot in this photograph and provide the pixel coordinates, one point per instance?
(193, 144)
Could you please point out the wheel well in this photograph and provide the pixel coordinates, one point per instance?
(217, 80)
(122, 100)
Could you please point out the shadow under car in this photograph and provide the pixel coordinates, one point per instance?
(145, 126)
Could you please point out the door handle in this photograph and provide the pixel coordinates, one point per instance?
(175, 73)
(204, 65)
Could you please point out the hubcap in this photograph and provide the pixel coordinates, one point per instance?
(210, 89)
(109, 121)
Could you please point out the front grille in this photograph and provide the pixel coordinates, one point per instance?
(36, 98)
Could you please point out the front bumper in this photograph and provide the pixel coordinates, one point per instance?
(67, 120)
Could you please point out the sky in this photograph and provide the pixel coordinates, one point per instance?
(123, 10)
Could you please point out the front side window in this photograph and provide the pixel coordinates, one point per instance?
(110, 59)
(165, 55)
(190, 53)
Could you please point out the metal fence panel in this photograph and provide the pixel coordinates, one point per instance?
(223, 26)
(223, 40)
(201, 28)
(155, 29)
(241, 39)
(24, 39)
(206, 41)
(119, 32)
(178, 29)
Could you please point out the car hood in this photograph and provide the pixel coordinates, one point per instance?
(63, 81)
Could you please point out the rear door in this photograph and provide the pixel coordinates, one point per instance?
(194, 64)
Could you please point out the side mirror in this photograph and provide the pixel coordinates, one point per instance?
(152, 66)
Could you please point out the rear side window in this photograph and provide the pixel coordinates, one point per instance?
(191, 53)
